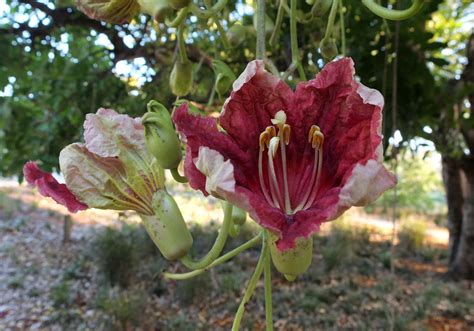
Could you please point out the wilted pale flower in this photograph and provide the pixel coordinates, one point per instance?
(292, 159)
(113, 170)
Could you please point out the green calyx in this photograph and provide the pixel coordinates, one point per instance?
(158, 9)
(328, 48)
(239, 216)
(293, 262)
(160, 137)
(167, 227)
(181, 78)
(224, 77)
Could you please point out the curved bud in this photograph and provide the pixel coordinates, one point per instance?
(292, 262)
(112, 11)
(160, 137)
(178, 4)
(167, 227)
(224, 77)
(328, 48)
(181, 78)
(158, 9)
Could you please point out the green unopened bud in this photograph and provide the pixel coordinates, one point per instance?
(167, 228)
(112, 11)
(224, 77)
(269, 25)
(181, 78)
(328, 48)
(178, 4)
(237, 34)
(239, 216)
(158, 9)
(160, 137)
(293, 262)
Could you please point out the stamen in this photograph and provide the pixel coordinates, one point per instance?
(284, 134)
(316, 139)
(274, 188)
(260, 176)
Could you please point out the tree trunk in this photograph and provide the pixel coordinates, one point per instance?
(463, 265)
(454, 199)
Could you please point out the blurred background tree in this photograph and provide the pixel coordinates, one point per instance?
(57, 65)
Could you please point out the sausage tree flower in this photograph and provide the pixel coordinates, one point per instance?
(292, 159)
(113, 170)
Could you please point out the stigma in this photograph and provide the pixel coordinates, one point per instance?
(275, 138)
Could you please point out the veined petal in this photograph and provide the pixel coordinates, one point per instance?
(101, 182)
(48, 186)
(219, 173)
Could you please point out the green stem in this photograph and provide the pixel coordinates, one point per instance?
(331, 19)
(177, 177)
(182, 46)
(252, 242)
(260, 49)
(179, 18)
(267, 274)
(251, 287)
(391, 14)
(218, 244)
(294, 41)
(343, 29)
(221, 30)
(278, 22)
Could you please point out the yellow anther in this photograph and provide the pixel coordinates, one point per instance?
(286, 132)
(313, 129)
(271, 131)
(264, 140)
(280, 119)
(318, 139)
(273, 147)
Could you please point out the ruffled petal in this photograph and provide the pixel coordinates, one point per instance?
(48, 186)
(107, 133)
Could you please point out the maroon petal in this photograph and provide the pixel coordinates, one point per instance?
(257, 95)
(48, 186)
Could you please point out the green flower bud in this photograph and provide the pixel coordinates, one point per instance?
(293, 262)
(224, 77)
(234, 230)
(237, 34)
(158, 9)
(178, 4)
(181, 78)
(112, 11)
(160, 137)
(328, 48)
(167, 228)
(239, 216)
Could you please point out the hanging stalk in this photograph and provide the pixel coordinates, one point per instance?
(251, 286)
(260, 48)
(267, 274)
(295, 57)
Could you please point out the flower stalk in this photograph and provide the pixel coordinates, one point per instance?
(260, 48)
(295, 56)
(224, 258)
(216, 249)
(267, 275)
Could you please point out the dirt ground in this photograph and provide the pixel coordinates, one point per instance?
(48, 284)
